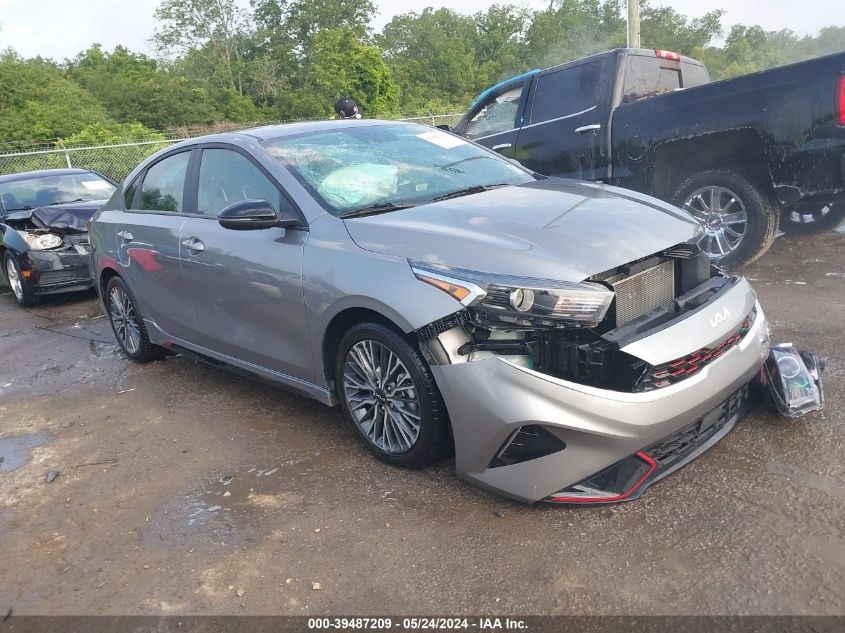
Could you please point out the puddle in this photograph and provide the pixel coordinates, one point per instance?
(821, 483)
(15, 450)
(237, 507)
(100, 349)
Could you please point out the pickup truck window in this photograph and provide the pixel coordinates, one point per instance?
(566, 91)
(497, 114)
(649, 76)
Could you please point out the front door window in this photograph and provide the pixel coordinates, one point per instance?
(496, 115)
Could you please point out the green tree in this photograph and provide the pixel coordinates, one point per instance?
(299, 21)
(570, 29)
(210, 34)
(433, 57)
(500, 40)
(112, 133)
(38, 102)
(341, 64)
(134, 87)
(665, 28)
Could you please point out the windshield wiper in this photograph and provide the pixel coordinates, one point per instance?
(468, 160)
(25, 208)
(375, 209)
(468, 191)
(66, 202)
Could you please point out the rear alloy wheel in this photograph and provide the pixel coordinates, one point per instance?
(389, 397)
(740, 221)
(817, 219)
(127, 324)
(17, 281)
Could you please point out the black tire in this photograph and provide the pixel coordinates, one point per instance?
(144, 351)
(22, 292)
(434, 439)
(761, 210)
(806, 221)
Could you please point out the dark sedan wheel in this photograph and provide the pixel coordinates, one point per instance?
(127, 324)
(389, 397)
(740, 220)
(17, 281)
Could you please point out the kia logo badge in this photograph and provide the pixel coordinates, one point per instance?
(720, 317)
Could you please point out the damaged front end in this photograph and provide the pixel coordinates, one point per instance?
(590, 391)
(578, 331)
(53, 248)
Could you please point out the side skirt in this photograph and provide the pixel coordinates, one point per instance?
(241, 367)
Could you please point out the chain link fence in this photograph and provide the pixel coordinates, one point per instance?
(116, 161)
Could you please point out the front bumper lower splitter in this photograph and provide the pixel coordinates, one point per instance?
(794, 384)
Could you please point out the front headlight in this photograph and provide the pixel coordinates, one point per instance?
(41, 241)
(517, 299)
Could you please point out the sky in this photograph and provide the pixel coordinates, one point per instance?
(62, 28)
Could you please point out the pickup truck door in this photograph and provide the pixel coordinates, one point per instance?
(564, 123)
(494, 121)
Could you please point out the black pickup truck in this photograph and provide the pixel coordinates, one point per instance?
(737, 154)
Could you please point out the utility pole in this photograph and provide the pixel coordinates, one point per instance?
(633, 23)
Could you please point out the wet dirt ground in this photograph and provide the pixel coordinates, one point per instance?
(184, 489)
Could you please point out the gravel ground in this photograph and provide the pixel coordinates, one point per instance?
(184, 489)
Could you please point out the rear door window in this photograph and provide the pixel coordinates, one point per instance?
(496, 115)
(567, 91)
(650, 76)
(164, 184)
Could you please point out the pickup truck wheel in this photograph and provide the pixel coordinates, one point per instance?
(389, 397)
(17, 281)
(804, 221)
(740, 220)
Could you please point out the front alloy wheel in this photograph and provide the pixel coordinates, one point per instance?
(17, 282)
(382, 397)
(389, 396)
(738, 213)
(723, 216)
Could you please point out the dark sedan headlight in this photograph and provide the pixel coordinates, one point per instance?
(41, 241)
(518, 299)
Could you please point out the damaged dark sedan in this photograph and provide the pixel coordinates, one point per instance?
(43, 230)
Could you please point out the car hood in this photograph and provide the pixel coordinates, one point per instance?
(554, 228)
(69, 218)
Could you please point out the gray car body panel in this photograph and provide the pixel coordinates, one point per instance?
(274, 293)
(552, 229)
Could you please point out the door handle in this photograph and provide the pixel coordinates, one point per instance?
(588, 128)
(126, 236)
(502, 146)
(193, 244)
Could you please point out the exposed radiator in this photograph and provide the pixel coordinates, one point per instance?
(644, 291)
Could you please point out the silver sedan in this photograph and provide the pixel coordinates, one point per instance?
(566, 340)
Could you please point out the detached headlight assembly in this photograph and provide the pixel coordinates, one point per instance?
(41, 241)
(520, 300)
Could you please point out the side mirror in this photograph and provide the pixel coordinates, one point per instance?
(248, 215)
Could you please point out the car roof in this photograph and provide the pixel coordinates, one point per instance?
(267, 132)
(41, 173)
